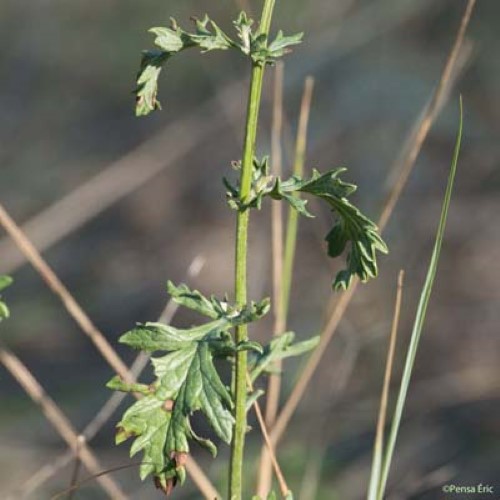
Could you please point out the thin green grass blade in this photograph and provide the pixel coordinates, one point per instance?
(375, 471)
(419, 320)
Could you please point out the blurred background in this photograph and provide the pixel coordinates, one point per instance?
(149, 199)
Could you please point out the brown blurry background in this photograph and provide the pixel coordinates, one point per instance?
(67, 71)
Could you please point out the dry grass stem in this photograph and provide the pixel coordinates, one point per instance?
(70, 304)
(76, 468)
(406, 163)
(298, 169)
(272, 399)
(277, 469)
(267, 441)
(384, 398)
(93, 477)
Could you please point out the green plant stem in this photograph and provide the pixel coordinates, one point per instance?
(239, 384)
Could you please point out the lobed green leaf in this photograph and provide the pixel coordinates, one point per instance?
(207, 36)
(169, 41)
(243, 25)
(351, 226)
(351, 229)
(147, 81)
(193, 299)
(280, 347)
(281, 44)
(152, 337)
(186, 382)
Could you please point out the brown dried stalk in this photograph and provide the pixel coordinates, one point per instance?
(384, 398)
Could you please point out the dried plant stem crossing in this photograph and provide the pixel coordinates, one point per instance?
(56, 285)
(58, 420)
(269, 447)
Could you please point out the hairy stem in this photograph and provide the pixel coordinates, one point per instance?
(238, 443)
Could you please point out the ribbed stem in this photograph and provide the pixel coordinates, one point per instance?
(239, 384)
